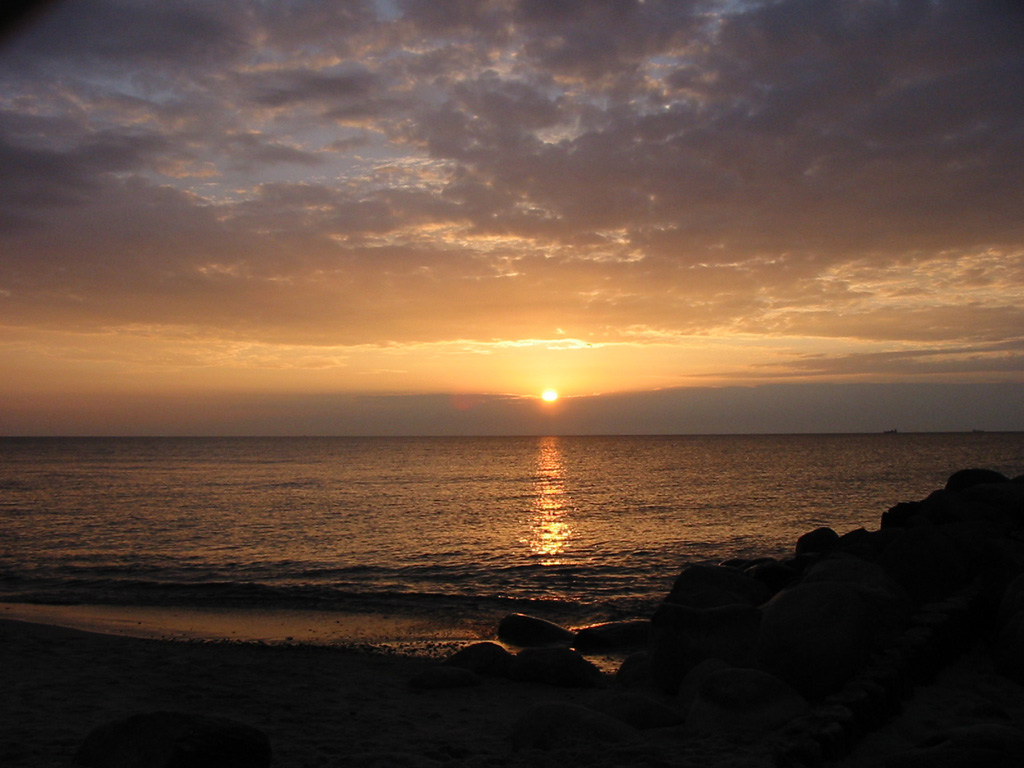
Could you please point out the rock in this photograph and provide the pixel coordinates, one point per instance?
(711, 586)
(174, 740)
(862, 543)
(641, 712)
(555, 666)
(743, 699)
(613, 635)
(966, 478)
(971, 746)
(634, 671)
(1012, 600)
(818, 540)
(773, 574)
(999, 504)
(926, 562)
(554, 725)
(445, 677)
(815, 636)
(526, 631)
(682, 636)
(903, 514)
(482, 658)
(691, 683)
(889, 604)
(1008, 648)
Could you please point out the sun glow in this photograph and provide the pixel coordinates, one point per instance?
(549, 395)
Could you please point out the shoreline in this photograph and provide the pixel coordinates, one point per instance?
(271, 626)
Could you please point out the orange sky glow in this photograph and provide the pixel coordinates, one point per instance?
(410, 216)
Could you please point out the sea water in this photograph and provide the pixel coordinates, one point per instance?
(590, 527)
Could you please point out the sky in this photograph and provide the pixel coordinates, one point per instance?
(415, 216)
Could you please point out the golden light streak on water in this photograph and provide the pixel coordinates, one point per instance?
(551, 524)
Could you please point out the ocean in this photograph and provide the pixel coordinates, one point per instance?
(577, 529)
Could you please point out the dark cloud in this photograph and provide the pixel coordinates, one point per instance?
(371, 173)
(108, 33)
(298, 86)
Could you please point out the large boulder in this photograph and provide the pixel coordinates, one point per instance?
(815, 636)
(862, 543)
(927, 562)
(694, 679)
(555, 666)
(482, 658)
(999, 504)
(819, 540)
(174, 740)
(1002, 503)
(634, 671)
(889, 604)
(711, 586)
(682, 637)
(1008, 648)
(775, 575)
(527, 631)
(613, 635)
(743, 700)
(968, 478)
(1011, 602)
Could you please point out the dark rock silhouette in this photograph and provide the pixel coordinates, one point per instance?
(775, 575)
(737, 699)
(968, 478)
(812, 651)
(613, 635)
(682, 637)
(815, 636)
(889, 604)
(483, 659)
(555, 666)
(525, 631)
(711, 586)
(926, 561)
(819, 540)
(174, 740)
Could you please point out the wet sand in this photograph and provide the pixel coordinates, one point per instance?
(252, 624)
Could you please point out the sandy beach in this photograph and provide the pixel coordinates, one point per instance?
(319, 706)
(357, 705)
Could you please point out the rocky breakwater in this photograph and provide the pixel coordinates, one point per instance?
(794, 660)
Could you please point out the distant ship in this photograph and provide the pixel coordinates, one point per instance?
(891, 432)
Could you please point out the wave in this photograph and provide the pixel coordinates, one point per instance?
(290, 583)
(312, 597)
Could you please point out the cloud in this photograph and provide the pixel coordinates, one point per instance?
(346, 174)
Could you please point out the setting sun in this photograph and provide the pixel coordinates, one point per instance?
(549, 395)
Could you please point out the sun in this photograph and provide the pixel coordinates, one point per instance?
(549, 395)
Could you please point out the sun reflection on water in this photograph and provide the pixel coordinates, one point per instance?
(550, 526)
